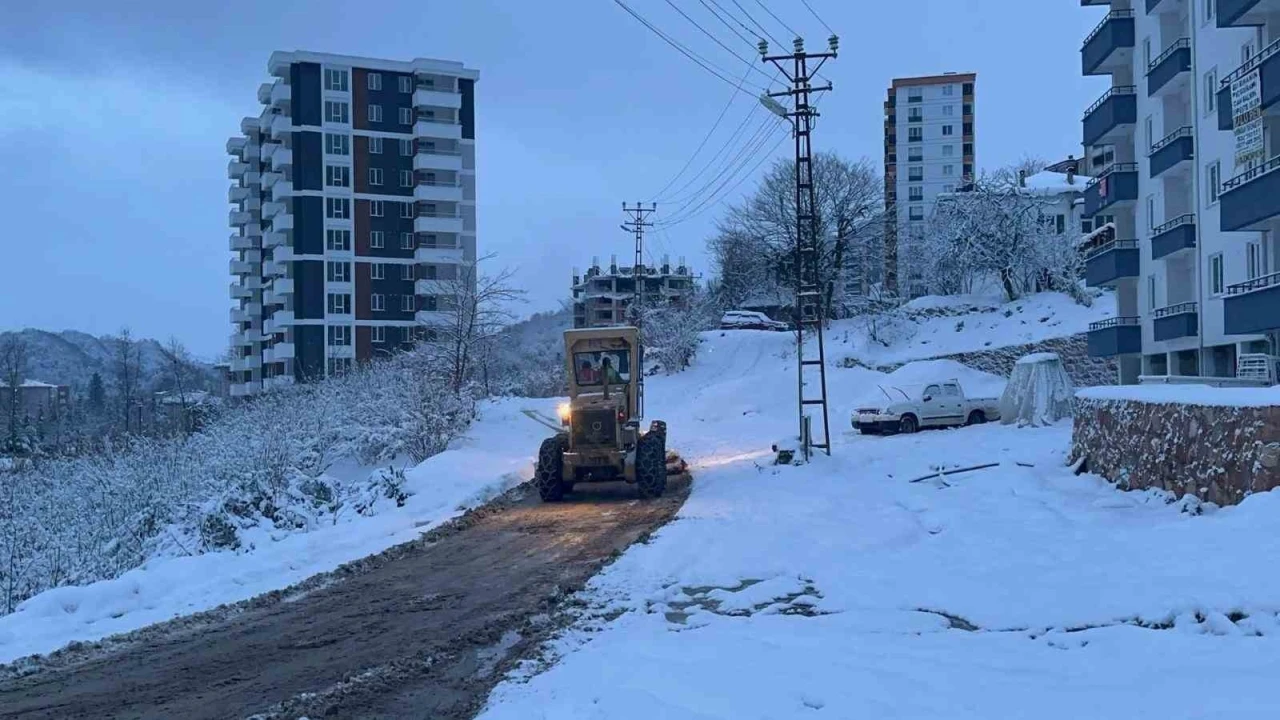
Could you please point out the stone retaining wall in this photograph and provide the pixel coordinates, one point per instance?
(1218, 454)
(1085, 371)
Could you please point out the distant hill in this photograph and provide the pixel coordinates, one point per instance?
(71, 357)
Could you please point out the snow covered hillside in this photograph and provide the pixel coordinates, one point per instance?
(845, 590)
(942, 325)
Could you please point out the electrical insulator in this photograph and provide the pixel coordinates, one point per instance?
(763, 46)
(833, 42)
(799, 44)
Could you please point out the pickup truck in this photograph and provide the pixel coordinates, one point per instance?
(938, 404)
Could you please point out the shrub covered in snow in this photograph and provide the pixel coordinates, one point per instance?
(259, 468)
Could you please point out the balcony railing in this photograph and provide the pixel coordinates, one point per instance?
(1113, 245)
(1184, 219)
(1162, 143)
(1116, 31)
(1117, 90)
(1251, 174)
(1258, 283)
(1179, 309)
(1252, 64)
(1115, 322)
(1113, 15)
(1252, 198)
(1252, 306)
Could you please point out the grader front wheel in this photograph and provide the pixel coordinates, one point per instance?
(651, 462)
(550, 473)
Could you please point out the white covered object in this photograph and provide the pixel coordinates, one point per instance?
(1039, 392)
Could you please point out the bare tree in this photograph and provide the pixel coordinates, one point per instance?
(13, 368)
(127, 366)
(179, 369)
(471, 311)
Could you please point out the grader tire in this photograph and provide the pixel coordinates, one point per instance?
(549, 475)
(651, 464)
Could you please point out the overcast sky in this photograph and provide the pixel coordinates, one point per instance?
(114, 118)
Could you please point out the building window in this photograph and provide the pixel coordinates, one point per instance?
(377, 239)
(1254, 258)
(1211, 92)
(915, 193)
(375, 146)
(1213, 181)
(335, 80)
(430, 303)
(915, 134)
(406, 148)
(378, 302)
(915, 173)
(406, 178)
(1151, 292)
(406, 271)
(339, 335)
(948, 110)
(915, 153)
(337, 144)
(338, 240)
(1151, 212)
(1086, 225)
(339, 304)
(1208, 9)
(375, 176)
(338, 272)
(406, 333)
(948, 129)
(1060, 223)
(406, 83)
(339, 366)
(1146, 52)
(948, 188)
(948, 150)
(375, 81)
(915, 95)
(406, 241)
(1148, 129)
(406, 303)
(916, 213)
(915, 115)
(375, 112)
(378, 334)
(378, 271)
(968, 171)
(337, 208)
(948, 90)
(406, 210)
(375, 208)
(948, 170)
(966, 109)
(406, 116)
(1216, 285)
(335, 112)
(337, 176)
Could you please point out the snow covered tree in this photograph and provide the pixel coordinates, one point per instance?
(127, 366)
(13, 371)
(472, 310)
(671, 332)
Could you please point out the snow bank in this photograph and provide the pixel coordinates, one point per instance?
(1187, 394)
(493, 457)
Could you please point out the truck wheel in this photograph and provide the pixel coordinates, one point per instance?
(908, 424)
(549, 475)
(977, 417)
(651, 465)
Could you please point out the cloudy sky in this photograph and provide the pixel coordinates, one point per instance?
(114, 117)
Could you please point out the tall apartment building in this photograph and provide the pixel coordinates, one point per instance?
(928, 149)
(354, 208)
(602, 296)
(1189, 191)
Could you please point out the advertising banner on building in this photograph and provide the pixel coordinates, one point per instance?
(1246, 113)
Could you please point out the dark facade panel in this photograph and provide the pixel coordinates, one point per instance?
(1119, 185)
(388, 98)
(1225, 121)
(308, 225)
(1176, 63)
(1180, 237)
(304, 81)
(1270, 80)
(1179, 150)
(1115, 33)
(308, 347)
(1103, 269)
(1252, 202)
(1230, 13)
(468, 112)
(1252, 312)
(392, 288)
(364, 346)
(391, 224)
(1117, 340)
(308, 160)
(1172, 327)
(308, 290)
(1118, 110)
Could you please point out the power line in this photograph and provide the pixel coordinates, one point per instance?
(709, 203)
(700, 201)
(729, 25)
(702, 62)
(717, 41)
(775, 17)
(758, 25)
(732, 96)
(728, 141)
(728, 161)
(819, 17)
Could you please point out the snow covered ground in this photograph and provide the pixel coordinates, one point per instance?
(980, 322)
(494, 457)
(841, 589)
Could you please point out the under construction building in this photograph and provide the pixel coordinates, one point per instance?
(603, 295)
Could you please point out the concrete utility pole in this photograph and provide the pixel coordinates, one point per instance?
(809, 307)
(638, 215)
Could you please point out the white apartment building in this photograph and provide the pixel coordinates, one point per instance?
(928, 149)
(1193, 257)
(354, 208)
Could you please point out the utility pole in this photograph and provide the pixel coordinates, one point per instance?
(810, 310)
(636, 224)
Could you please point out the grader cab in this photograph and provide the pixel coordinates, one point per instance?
(602, 439)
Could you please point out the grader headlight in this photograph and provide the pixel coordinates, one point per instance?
(564, 412)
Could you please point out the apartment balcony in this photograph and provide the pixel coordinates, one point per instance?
(1244, 13)
(268, 149)
(244, 364)
(1115, 336)
(282, 222)
(1177, 235)
(1162, 6)
(246, 337)
(242, 267)
(282, 286)
(423, 97)
(1176, 321)
(434, 287)
(254, 309)
(274, 239)
(438, 255)
(438, 159)
(1267, 65)
(438, 191)
(264, 93)
(445, 129)
(238, 315)
(236, 193)
(281, 125)
(432, 317)
(281, 190)
(1110, 46)
(438, 223)
(1117, 184)
(236, 169)
(275, 268)
(1251, 199)
(269, 179)
(1253, 307)
(281, 159)
(1170, 71)
(279, 321)
(1174, 152)
(252, 178)
(1112, 117)
(278, 352)
(340, 351)
(272, 209)
(238, 218)
(1115, 261)
(281, 95)
(239, 390)
(236, 145)
(241, 291)
(251, 204)
(242, 242)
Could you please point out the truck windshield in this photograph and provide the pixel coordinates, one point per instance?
(593, 368)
